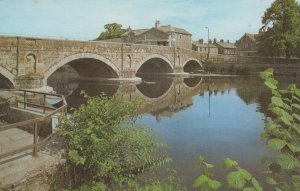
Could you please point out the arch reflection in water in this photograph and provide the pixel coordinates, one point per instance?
(193, 82)
(154, 87)
(92, 89)
(166, 96)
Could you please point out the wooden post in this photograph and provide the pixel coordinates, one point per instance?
(35, 138)
(24, 99)
(44, 108)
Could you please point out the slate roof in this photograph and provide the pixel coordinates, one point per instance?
(136, 32)
(251, 36)
(169, 28)
(226, 45)
(205, 45)
(165, 28)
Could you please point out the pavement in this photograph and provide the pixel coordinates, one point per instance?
(22, 166)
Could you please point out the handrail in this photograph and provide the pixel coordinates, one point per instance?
(34, 121)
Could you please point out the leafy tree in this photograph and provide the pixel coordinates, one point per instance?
(112, 30)
(105, 149)
(281, 29)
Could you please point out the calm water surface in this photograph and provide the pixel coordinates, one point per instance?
(214, 117)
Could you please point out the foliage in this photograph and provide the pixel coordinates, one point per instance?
(171, 183)
(237, 177)
(2, 99)
(210, 67)
(2, 122)
(283, 132)
(281, 29)
(112, 30)
(104, 147)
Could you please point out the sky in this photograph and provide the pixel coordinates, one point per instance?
(85, 19)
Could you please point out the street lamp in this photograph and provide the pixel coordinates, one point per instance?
(208, 42)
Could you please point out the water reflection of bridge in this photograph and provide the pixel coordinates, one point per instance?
(157, 93)
(165, 96)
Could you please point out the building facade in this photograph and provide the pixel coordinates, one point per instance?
(166, 35)
(247, 45)
(202, 47)
(226, 47)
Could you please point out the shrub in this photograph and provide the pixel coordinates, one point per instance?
(105, 148)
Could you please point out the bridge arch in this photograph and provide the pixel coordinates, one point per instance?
(154, 56)
(78, 56)
(7, 74)
(192, 64)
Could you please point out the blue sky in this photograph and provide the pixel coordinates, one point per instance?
(84, 19)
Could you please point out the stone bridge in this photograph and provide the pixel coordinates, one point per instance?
(28, 62)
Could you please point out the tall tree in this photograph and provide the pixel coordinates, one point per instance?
(281, 29)
(112, 30)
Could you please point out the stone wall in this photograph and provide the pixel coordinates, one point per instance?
(254, 65)
(17, 115)
(183, 41)
(25, 56)
(8, 54)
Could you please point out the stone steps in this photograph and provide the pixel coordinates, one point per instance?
(23, 166)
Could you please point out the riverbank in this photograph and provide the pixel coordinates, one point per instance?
(22, 171)
(251, 65)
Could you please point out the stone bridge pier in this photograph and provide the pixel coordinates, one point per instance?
(28, 62)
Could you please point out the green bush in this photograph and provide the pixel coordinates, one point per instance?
(105, 149)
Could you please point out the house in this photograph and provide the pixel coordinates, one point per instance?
(202, 47)
(247, 45)
(165, 35)
(226, 47)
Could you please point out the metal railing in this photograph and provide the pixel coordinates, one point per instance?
(34, 122)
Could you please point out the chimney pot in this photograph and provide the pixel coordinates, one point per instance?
(157, 24)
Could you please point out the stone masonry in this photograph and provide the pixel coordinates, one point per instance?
(27, 61)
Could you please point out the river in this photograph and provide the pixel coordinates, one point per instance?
(213, 117)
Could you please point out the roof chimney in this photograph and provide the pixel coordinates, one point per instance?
(201, 40)
(215, 40)
(228, 41)
(209, 41)
(157, 24)
(222, 41)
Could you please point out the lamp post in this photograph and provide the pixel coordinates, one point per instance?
(208, 42)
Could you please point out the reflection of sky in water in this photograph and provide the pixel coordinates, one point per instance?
(232, 130)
